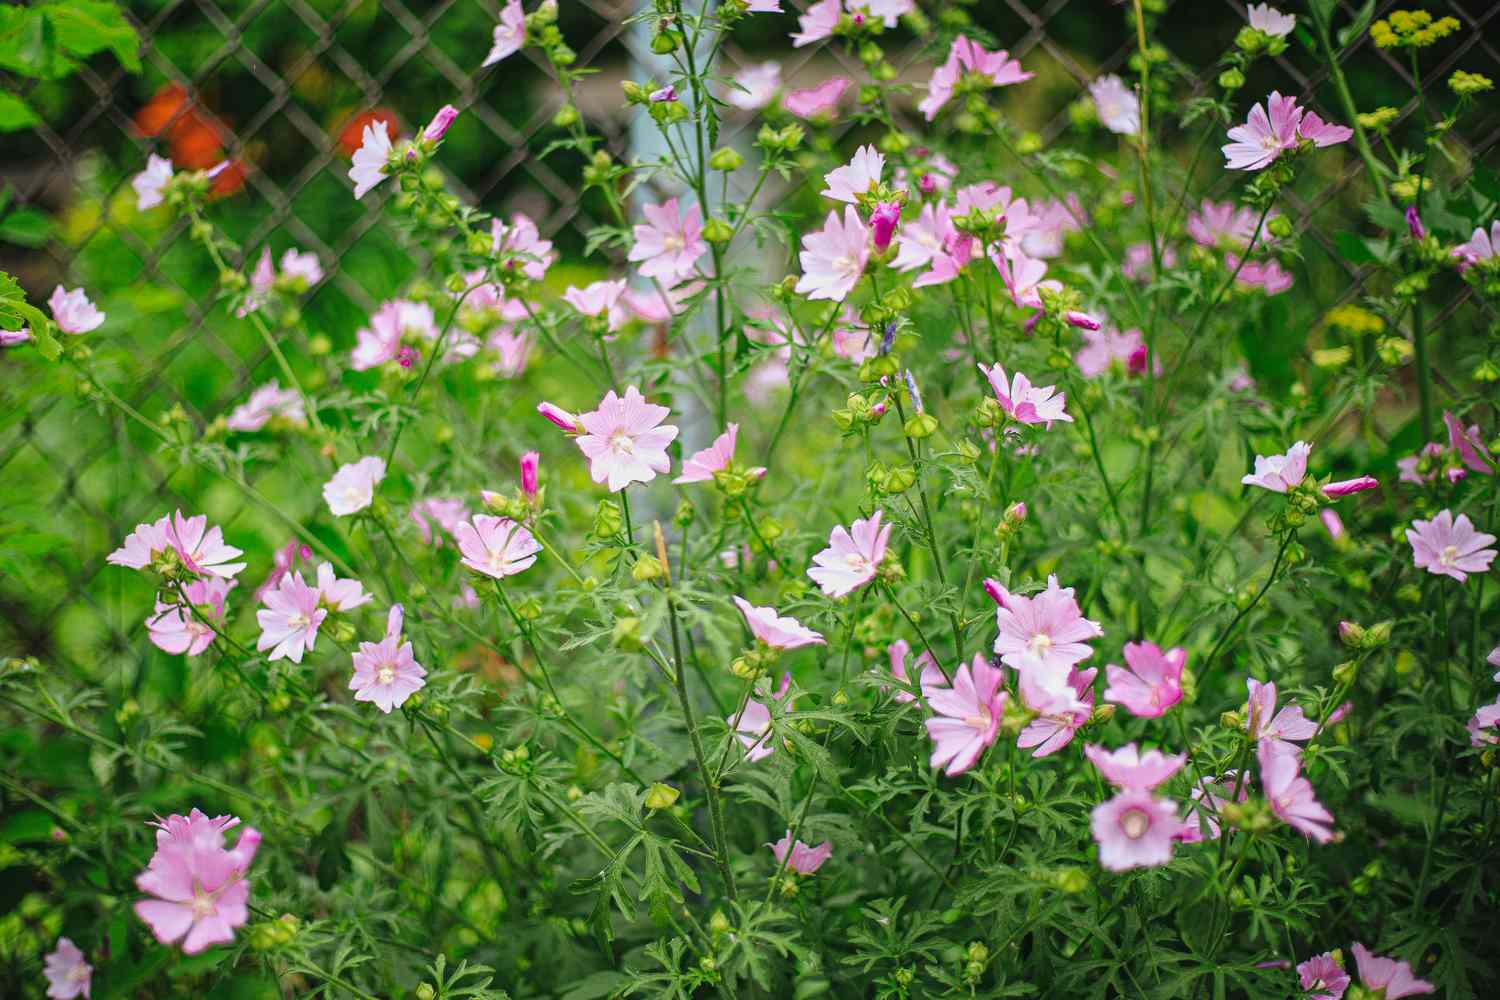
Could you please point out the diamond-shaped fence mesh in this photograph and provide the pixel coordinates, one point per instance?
(280, 87)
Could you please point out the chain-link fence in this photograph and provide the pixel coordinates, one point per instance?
(281, 87)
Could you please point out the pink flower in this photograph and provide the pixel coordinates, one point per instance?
(1320, 133)
(600, 299)
(1445, 547)
(394, 322)
(967, 58)
(386, 672)
(265, 403)
(1480, 246)
(290, 619)
(199, 888)
(1280, 473)
(818, 23)
(763, 6)
(352, 487)
(340, 595)
(1052, 730)
(195, 545)
(852, 556)
(175, 629)
(1208, 798)
(756, 86)
(1151, 684)
(301, 270)
(859, 176)
(922, 239)
(1344, 487)
(1332, 523)
(967, 716)
(1410, 466)
(522, 246)
(438, 127)
(1321, 977)
(1394, 978)
(1118, 108)
(371, 158)
(884, 219)
(623, 441)
(73, 312)
(819, 101)
(529, 464)
(1222, 226)
(1026, 403)
(496, 546)
(1290, 795)
(560, 417)
(1130, 770)
(1267, 725)
(1269, 276)
(1103, 348)
(509, 35)
(804, 860)
(1023, 278)
(1468, 445)
(774, 631)
(149, 183)
(1486, 718)
(931, 675)
(700, 468)
(282, 563)
(68, 974)
(667, 246)
(1044, 637)
(1275, 128)
(834, 258)
(752, 727)
(445, 512)
(1135, 830)
(1273, 23)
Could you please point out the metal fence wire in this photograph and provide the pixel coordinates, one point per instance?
(279, 85)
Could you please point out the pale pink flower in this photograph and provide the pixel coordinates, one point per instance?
(1265, 134)
(1320, 133)
(371, 159)
(625, 440)
(752, 727)
(1332, 523)
(290, 619)
(967, 716)
(512, 351)
(1481, 245)
(859, 176)
(851, 339)
(1280, 473)
(1119, 109)
(149, 183)
(1345, 487)
(1023, 402)
(509, 35)
(197, 546)
(73, 312)
(1130, 770)
(300, 270)
(1050, 222)
(1209, 796)
(804, 859)
(1444, 546)
(664, 95)
(1265, 724)
(1053, 730)
(834, 258)
(1393, 977)
(756, 86)
(522, 246)
(1221, 225)
(923, 238)
(387, 672)
(600, 299)
(819, 101)
(667, 244)
(852, 556)
(339, 594)
(282, 563)
(1044, 637)
(445, 512)
(1410, 465)
(818, 23)
(1151, 681)
(965, 58)
(702, 465)
(930, 677)
(775, 631)
(1135, 830)
(10, 338)
(67, 973)
(1482, 723)
(1103, 348)
(1290, 795)
(175, 629)
(352, 487)
(496, 546)
(1270, 21)
(1268, 276)
(199, 887)
(1321, 977)
(438, 127)
(262, 284)
(1024, 278)
(1468, 444)
(265, 403)
(395, 322)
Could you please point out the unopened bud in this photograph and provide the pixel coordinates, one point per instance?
(660, 796)
(727, 159)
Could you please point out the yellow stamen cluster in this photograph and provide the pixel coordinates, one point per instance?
(1354, 319)
(1466, 84)
(1411, 29)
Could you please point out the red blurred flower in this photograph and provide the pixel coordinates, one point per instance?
(171, 113)
(351, 132)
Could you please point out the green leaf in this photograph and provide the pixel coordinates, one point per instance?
(15, 113)
(26, 228)
(1349, 35)
(1352, 248)
(28, 44)
(16, 312)
(85, 27)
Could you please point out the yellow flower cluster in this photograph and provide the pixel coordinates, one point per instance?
(1354, 319)
(1377, 120)
(1466, 84)
(1411, 28)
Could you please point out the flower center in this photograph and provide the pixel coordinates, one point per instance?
(203, 905)
(622, 443)
(857, 562)
(673, 241)
(386, 674)
(298, 621)
(1135, 823)
(980, 722)
(1449, 556)
(1039, 644)
(843, 265)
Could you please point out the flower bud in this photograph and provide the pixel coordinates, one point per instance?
(660, 796)
(920, 425)
(1345, 672)
(1280, 227)
(426, 992)
(665, 43)
(1232, 79)
(717, 231)
(883, 222)
(529, 463)
(646, 569)
(1351, 634)
(566, 117)
(718, 923)
(727, 159)
(626, 635)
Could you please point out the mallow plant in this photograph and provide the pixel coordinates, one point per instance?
(898, 574)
